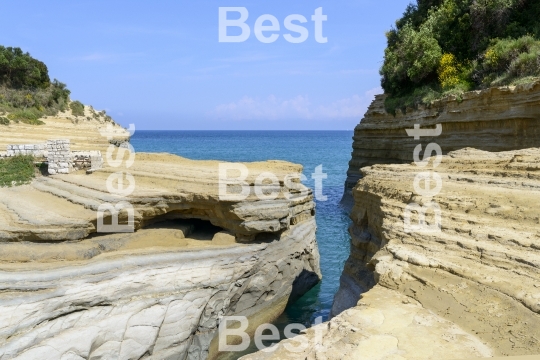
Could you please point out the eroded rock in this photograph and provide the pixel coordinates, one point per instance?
(69, 292)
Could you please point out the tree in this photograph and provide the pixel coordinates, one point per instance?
(20, 70)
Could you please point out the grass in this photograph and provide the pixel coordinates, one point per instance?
(4, 121)
(29, 116)
(16, 170)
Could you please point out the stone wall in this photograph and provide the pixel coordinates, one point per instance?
(36, 150)
(57, 152)
(122, 143)
(59, 157)
(85, 160)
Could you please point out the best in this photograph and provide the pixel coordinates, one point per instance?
(291, 23)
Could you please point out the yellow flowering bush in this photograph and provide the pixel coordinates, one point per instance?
(449, 71)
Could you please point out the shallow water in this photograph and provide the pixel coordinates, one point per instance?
(331, 149)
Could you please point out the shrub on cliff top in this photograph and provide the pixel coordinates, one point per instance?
(25, 87)
(451, 46)
(77, 108)
(19, 70)
(508, 59)
(16, 170)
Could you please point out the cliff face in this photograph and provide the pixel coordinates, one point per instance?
(482, 272)
(470, 290)
(85, 132)
(497, 119)
(69, 292)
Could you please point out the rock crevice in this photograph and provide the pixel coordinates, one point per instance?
(469, 290)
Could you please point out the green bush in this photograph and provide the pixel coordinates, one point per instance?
(50, 100)
(4, 121)
(29, 116)
(77, 108)
(16, 170)
(414, 57)
(25, 88)
(20, 70)
(452, 46)
(507, 60)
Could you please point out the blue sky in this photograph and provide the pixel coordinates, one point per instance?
(160, 65)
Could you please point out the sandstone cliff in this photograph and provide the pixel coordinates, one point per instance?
(496, 119)
(472, 289)
(85, 132)
(68, 292)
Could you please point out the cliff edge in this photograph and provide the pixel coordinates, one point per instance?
(70, 291)
(91, 130)
(471, 287)
(495, 119)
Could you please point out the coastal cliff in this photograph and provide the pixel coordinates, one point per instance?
(470, 290)
(69, 292)
(495, 119)
(92, 130)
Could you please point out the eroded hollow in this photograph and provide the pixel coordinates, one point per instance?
(161, 236)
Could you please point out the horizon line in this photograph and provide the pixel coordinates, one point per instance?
(244, 130)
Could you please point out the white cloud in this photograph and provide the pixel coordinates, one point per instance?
(299, 107)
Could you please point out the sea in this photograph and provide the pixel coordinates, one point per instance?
(331, 149)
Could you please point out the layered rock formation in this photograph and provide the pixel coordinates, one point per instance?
(69, 292)
(88, 132)
(496, 119)
(472, 290)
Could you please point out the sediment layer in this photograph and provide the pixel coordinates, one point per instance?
(482, 270)
(70, 292)
(474, 287)
(86, 132)
(496, 119)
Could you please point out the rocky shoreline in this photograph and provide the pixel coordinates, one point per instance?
(69, 292)
(468, 291)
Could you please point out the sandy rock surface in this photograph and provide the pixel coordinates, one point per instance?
(496, 119)
(85, 132)
(472, 290)
(69, 292)
(482, 271)
(386, 325)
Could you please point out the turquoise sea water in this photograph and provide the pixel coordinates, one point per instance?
(331, 149)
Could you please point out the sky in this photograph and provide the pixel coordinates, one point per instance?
(161, 66)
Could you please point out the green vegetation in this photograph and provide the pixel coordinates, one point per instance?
(442, 47)
(77, 108)
(4, 121)
(42, 102)
(16, 170)
(26, 91)
(19, 70)
(29, 116)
